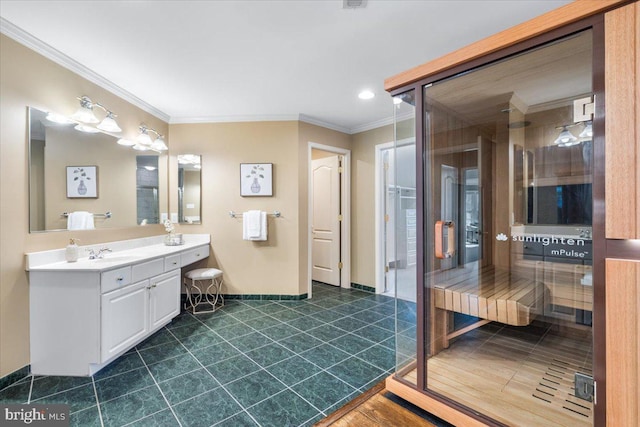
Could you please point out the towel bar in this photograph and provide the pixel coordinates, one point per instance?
(276, 214)
(106, 215)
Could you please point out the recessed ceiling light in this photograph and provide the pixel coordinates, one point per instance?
(366, 94)
(150, 168)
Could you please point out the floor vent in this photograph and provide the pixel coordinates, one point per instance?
(557, 387)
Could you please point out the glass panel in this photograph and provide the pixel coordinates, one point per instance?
(508, 208)
(401, 230)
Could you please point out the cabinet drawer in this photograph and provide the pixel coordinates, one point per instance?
(193, 255)
(114, 279)
(147, 269)
(172, 262)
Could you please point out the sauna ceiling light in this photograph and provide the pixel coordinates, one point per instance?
(366, 94)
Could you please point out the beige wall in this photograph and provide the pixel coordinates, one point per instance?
(269, 267)
(28, 79)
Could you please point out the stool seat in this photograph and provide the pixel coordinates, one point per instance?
(203, 300)
(204, 274)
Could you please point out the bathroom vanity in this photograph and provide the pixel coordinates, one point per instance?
(85, 314)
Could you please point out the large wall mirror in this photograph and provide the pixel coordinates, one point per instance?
(72, 171)
(189, 188)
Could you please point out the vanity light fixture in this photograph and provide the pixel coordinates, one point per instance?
(587, 132)
(109, 124)
(145, 140)
(85, 114)
(566, 138)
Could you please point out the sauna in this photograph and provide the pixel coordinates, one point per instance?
(506, 320)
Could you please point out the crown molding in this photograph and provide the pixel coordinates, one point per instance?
(237, 118)
(317, 122)
(372, 125)
(42, 48)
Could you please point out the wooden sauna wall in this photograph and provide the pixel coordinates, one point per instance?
(622, 199)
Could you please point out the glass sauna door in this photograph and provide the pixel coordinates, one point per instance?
(508, 277)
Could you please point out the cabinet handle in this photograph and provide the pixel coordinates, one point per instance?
(174, 262)
(197, 254)
(119, 279)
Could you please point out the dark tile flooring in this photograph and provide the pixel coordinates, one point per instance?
(267, 363)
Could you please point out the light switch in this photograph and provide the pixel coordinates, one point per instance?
(191, 205)
(163, 216)
(174, 217)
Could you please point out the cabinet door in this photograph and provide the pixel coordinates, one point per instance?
(125, 318)
(164, 298)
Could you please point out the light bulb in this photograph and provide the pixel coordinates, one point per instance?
(85, 128)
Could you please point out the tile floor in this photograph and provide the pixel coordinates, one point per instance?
(267, 363)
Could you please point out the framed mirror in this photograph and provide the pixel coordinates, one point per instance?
(72, 172)
(189, 188)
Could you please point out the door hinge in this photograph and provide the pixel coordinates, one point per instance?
(386, 218)
(585, 387)
(386, 166)
(340, 265)
(339, 217)
(340, 169)
(583, 109)
(386, 268)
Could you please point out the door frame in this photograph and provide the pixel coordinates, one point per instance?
(379, 209)
(345, 224)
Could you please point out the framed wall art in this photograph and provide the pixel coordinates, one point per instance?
(256, 179)
(82, 182)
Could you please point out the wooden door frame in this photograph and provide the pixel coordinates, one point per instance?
(345, 224)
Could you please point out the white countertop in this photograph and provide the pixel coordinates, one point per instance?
(124, 252)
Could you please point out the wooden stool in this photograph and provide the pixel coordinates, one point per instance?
(211, 298)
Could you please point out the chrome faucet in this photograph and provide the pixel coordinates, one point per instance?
(99, 254)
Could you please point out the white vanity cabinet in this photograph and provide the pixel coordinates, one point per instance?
(131, 313)
(84, 315)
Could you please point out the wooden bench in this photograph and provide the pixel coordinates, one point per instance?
(489, 294)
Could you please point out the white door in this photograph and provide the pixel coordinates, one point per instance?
(325, 245)
(125, 318)
(164, 298)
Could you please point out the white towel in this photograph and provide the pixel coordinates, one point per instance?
(254, 225)
(80, 220)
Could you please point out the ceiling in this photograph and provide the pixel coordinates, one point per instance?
(210, 61)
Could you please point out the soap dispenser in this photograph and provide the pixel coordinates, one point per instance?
(71, 253)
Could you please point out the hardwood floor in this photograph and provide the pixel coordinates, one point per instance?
(514, 377)
(377, 407)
